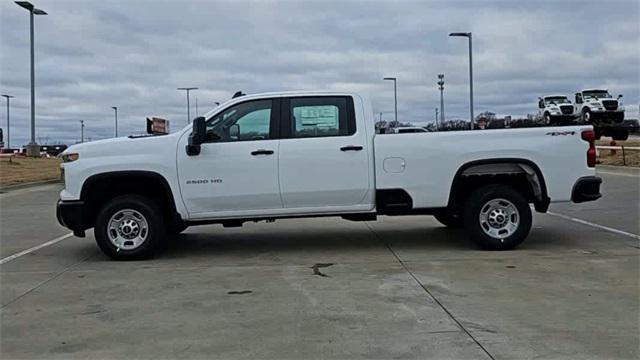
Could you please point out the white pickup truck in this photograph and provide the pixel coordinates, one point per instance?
(309, 154)
(598, 108)
(555, 110)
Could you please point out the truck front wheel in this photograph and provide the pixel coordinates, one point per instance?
(497, 217)
(586, 116)
(547, 119)
(130, 227)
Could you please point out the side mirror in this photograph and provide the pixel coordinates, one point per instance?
(619, 96)
(234, 132)
(197, 137)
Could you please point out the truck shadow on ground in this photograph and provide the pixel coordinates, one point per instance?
(237, 241)
(268, 242)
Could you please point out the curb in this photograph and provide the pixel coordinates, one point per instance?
(28, 185)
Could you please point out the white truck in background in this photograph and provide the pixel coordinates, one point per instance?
(598, 108)
(555, 110)
(309, 154)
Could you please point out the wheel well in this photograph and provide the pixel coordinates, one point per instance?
(99, 189)
(522, 175)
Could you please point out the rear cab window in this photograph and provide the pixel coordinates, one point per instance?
(318, 116)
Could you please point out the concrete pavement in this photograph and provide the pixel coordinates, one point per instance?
(401, 287)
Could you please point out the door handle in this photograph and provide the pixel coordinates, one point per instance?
(351, 148)
(262, 152)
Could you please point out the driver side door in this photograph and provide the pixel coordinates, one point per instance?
(236, 172)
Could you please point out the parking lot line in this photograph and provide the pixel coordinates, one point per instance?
(602, 227)
(617, 174)
(32, 249)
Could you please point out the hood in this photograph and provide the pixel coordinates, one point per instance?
(123, 145)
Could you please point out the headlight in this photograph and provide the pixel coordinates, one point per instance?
(70, 157)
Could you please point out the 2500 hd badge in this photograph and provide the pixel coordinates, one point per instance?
(204, 181)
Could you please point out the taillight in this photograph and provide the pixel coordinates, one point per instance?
(590, 137)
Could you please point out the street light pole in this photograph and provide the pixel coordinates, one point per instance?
(81, 131)
(188, 106)
(441, 87)
(8, 121)
(468, 35)
(32, 148)
(115, 108)
(437, 127)
(395, 96)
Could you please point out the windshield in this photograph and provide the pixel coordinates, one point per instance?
(557, 100)
(598, 94)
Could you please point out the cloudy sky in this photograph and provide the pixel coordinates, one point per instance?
(92, 55)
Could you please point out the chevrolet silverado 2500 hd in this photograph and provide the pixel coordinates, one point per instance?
(307, 154)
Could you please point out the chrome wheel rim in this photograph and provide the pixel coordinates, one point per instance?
(547, 119)
(499, 218)
(127, 229)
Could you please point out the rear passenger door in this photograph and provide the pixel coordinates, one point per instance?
(323, 161)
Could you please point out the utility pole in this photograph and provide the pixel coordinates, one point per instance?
(115, 108)
(8, 121)
(81, 131)
(188, 89)
(441, 87)
(437, 127)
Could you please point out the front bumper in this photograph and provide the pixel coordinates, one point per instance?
(70, 215)
(586, 189)
(611, 116)
(563, 117)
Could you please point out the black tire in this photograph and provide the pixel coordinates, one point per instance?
(479, 200)
(449, 220)
(155, 230)
(586, 117)
(547, 120)
(620, 135)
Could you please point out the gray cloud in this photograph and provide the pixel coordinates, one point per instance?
(91, 55)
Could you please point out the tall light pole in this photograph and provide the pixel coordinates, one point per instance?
(441, 87)
(437, 127)
(32, 148)
(468, 35)
(81, 131)
(115, 108)
(188, 106)
(8, 121)
(395, 96)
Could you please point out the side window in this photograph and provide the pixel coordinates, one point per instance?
(321, 116)
(243, 122)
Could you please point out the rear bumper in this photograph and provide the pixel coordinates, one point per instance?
(586, 189)
(70, 215)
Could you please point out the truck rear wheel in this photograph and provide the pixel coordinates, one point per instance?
(130, 227)
(497, 217)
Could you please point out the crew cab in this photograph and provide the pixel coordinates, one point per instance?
(310, 154)
(598, 108)
(555, 110)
